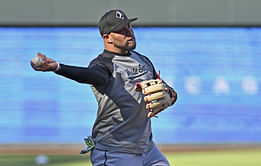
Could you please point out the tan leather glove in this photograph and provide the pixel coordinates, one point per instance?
(158, 95)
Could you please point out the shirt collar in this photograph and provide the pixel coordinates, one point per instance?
(115, 53)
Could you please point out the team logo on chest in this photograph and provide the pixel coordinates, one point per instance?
(136, 70)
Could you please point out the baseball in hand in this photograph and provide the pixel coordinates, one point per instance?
(37, 61)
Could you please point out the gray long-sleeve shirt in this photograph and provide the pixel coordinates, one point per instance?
(121, 124)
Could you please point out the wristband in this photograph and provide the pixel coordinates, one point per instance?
(58, 67)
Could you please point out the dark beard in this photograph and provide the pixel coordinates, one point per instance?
(127, 48)
(130, 48)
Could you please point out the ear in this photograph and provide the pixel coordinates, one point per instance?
(107, 38)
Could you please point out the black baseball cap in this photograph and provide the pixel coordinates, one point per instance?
(113, 20)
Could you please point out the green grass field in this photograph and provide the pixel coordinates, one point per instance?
(212, 158)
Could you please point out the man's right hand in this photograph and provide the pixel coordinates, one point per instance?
(48, 64)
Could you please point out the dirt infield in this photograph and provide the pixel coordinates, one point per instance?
(75, 148)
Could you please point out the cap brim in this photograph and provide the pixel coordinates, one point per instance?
(122, 24)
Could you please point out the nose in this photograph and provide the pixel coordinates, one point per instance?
(130, 32)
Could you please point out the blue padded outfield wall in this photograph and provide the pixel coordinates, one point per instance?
(216, 72)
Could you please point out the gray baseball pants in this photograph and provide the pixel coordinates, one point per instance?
(106, 158)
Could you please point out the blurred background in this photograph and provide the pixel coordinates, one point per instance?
(208, 50)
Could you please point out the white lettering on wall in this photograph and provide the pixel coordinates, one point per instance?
(193, 85)
(249, 85)
(221, 86)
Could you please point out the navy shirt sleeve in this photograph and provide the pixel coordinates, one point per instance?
(96, 75)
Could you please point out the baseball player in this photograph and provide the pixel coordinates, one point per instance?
(128, 91)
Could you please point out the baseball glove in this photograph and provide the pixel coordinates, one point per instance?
(158, 95)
